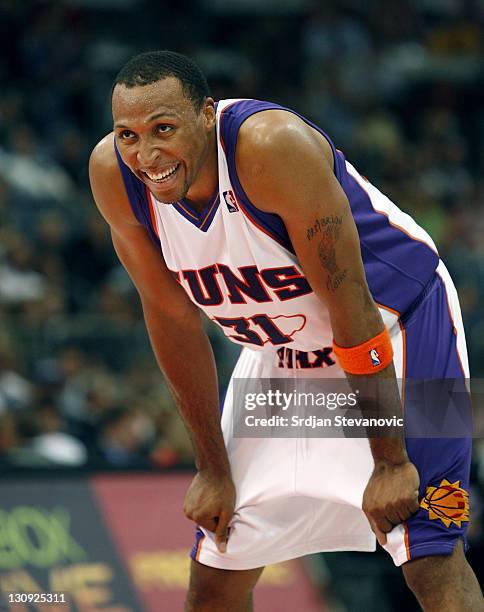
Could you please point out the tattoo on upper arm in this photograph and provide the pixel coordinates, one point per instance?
(327, 250)
(321, 225)
(333, 282)
(329, 229)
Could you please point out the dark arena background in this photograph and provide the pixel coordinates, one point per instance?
(94, 460)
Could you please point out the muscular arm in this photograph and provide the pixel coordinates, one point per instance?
(179, 342)
(286, 167)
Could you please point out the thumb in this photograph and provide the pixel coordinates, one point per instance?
(380, 535)
(221, 533)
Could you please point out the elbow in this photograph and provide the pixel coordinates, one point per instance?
(171, 315)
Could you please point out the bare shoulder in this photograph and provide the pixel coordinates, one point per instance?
(107, 184)
(103, 158)
(272, 130)
(277, 146)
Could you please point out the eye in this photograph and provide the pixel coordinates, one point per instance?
(164, 129)
(126, 134)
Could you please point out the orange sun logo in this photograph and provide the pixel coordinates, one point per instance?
(447, 502)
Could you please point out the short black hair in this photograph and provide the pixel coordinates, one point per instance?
(150, 67)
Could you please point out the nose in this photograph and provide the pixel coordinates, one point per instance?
(147, 154)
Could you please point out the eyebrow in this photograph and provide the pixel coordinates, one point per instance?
(152, 118)
(162, 114)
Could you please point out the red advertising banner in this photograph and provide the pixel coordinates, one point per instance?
(117, 543)
(145, 516)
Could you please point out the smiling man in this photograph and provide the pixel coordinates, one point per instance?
(245, 210)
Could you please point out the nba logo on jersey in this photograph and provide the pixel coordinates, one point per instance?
(231, 201)
(375, 358)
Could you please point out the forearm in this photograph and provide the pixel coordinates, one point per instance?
(185, 356)
(382, 400)
(379, 393)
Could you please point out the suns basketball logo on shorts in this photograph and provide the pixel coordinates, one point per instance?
(375, 358)
(447, 502)
(231, 201)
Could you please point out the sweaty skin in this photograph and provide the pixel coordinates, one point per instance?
(155, 131)
(173, 322)
(158, 129)
(322, 230)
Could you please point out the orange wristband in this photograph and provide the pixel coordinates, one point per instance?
(368, 358)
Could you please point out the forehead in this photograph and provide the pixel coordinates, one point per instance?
(141, 102)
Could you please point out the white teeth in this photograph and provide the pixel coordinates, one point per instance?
(162, 175)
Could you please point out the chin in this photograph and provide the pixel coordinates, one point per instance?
(164, 198)
(171, 197)
(166, 203)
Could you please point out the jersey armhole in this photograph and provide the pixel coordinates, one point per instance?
(230, 123)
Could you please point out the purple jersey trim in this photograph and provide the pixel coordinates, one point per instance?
(397, 266)
(201, 220)
(231, 119)
(198, 536)
(138, 197)
(186, 211)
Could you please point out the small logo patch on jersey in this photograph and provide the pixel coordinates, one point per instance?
(375, 358)
(447, 502)
(231, 201)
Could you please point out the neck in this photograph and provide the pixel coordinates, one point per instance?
(203, 189)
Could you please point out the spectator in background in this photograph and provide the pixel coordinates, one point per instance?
(61, 285)
(29, 169)
(52, 441)
(421, 66)
(124, 437)
(19, 280)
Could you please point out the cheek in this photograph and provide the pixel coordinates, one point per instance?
(194, 154)
(200, 152)
(125, 152)
(192, 159)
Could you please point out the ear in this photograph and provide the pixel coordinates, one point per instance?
(208, 111)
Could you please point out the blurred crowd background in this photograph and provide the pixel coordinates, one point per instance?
(397, 84)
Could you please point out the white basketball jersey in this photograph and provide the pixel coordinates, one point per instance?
(237, 263)
(245, 281)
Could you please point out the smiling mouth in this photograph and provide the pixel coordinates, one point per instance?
(161, 177)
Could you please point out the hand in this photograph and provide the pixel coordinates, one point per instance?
(210, 502)
(390, 497)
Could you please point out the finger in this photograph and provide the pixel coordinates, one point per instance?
(411, 510)
(414, 505)
(383, 523)
(401, 512)
(221, 532)
(408, 509)
(209, 524)
(394, 516)
(380, 536)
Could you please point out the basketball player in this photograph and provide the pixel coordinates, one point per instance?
(246, 211)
